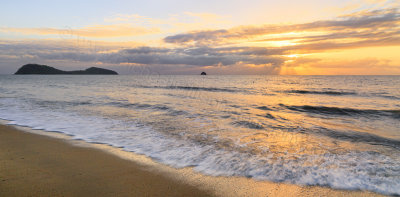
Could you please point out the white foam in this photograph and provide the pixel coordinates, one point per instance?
(352, 170)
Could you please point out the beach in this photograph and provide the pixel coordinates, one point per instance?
(200, 98)
(34, 165)
(228, 136)
(38, 165)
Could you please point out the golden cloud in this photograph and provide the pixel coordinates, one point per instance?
(365, 28)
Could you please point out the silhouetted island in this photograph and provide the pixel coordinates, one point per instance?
(203, 73)
(37, 69)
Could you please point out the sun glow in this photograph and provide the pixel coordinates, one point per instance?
(282, 43)
(292, 55)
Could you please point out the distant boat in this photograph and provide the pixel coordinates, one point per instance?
(203, 73)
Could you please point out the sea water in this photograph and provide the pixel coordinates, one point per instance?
(337, 131)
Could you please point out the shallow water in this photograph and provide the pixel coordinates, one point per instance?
(337, 131)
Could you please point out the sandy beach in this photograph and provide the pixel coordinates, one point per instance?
(37, 165)
(34, 165)
(200, 98)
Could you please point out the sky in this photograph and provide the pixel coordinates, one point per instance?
(308, 37)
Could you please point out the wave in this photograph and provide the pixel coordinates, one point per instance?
(385, 95)
(193, 88)
(353, 136)
(48, 103)
(343, 93)
(264, 108)
(141, 106)
(268, 115)
(320, 92)
(371, 171)
(249, 124)
(343, 111)
(367, 170)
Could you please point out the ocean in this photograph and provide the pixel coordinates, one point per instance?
(341, 132)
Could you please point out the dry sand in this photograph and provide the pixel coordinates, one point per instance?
(37, 165)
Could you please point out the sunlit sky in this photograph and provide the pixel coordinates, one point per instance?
(309, 37)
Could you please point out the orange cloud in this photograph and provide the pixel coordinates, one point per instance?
(350, 30)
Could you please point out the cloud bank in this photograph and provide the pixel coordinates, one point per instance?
(240, 50)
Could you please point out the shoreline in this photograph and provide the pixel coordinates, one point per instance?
(40, 163)
(34, 165)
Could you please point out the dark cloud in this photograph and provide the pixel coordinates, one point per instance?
(200, 56)
(73, 56)
(196, 36)
(146, 50)
(374, 19)
(182, 57)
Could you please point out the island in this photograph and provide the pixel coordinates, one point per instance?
(203, 73)
(37, 69)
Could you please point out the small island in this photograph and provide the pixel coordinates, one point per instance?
(37, 69)
(203, 73)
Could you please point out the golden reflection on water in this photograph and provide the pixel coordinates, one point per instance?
(238, 123)
(271, 141)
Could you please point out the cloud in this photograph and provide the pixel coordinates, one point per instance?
(191, 56)
(97, 31)
(323, 46)
(351, 26)
(200, 36)
(239, 50)
(335, 36)
(149, 56)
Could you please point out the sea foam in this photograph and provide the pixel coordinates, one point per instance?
(352, 170)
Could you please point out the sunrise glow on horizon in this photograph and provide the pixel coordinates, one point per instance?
(355, 37)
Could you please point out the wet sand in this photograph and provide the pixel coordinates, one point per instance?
(34, 165)
(37, 165)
